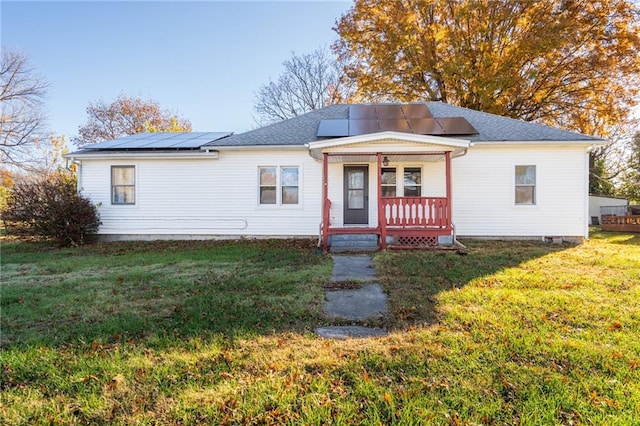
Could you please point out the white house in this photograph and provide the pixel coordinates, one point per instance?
(410, 174)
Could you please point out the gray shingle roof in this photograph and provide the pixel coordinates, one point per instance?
(303, 129)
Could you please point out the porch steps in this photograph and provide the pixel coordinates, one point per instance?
(353, 242)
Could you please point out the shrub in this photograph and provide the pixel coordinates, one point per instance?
(50, 206)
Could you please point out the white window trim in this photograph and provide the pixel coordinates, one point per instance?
(516, 185)
(278, 204)
(135, 185)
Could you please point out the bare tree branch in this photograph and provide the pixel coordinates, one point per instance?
(22, 93)
(308, 82)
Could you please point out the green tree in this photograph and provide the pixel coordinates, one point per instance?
(127, 116)
(556, 61)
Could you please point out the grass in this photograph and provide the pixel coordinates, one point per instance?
(221, 333)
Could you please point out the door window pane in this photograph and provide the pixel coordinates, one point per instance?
(356, 199)
(356, 179)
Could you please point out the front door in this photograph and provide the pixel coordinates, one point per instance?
(356, 195)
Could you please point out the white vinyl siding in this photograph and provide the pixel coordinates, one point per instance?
(483, 191)
(220, 197)
(202, 197)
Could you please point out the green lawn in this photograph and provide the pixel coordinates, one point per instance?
(221, 333)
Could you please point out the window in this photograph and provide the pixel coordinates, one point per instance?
(525, 185)
(268, 189)
(123, 185)
(388, 182)
(289, 181)
(412, 182)
(279, 185)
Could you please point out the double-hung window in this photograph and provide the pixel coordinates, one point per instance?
(279, 185)
(409, 186)
(123, 185)
(388, 182)
(525, 185)
(412, 182)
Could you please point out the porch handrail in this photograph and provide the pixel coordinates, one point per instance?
(416, 212)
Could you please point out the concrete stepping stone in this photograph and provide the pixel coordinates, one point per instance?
(342, 332)
(347, 268)
(356, 304)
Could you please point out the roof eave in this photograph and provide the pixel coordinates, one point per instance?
(585, 142)
(374, 137)
(142, 155)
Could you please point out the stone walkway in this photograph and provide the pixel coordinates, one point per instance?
(368, 301)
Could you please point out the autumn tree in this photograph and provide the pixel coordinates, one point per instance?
(308, 82)
(557, 62)
(22, 118)
(127, 116)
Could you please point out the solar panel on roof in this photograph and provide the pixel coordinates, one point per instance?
(394, 125)
(182, 140)
(425, 126)
(188, 144)
(416, 111)
(389, 111)
(333, 128)
(358, 112)
(456, 126)
(363, 127)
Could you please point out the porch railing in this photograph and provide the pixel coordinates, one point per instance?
(415, 212)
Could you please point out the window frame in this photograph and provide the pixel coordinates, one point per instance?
(418, 186)
(129, 185)
(280, 187)
(399, 183)
(393, 185)
(532, 186)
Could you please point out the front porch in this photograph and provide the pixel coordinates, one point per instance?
(402, 222)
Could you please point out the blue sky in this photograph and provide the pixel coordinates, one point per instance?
(204, 59)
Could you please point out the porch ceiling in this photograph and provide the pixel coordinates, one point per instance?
(393, 158)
